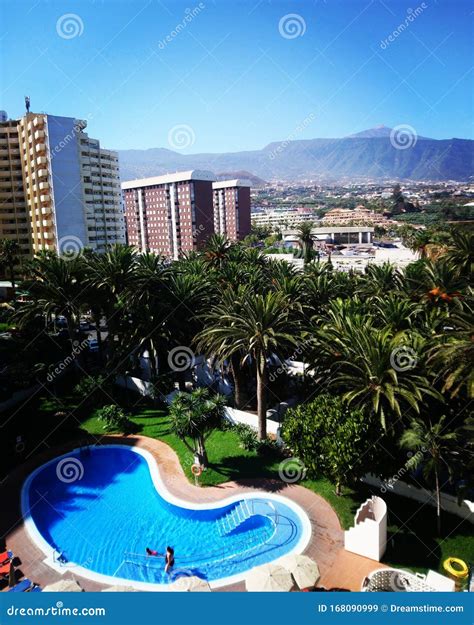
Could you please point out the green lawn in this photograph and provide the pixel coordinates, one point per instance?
(412, 535)
(412, 541)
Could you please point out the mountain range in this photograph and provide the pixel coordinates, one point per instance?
(378, 154)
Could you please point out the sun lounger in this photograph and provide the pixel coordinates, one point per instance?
(23, 586)
(26, 585)
(5, 556)
(5, 569)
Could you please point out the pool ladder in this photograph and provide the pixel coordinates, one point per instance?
(234, 518)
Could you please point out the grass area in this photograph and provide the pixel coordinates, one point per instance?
(228, 461)
(412, 543)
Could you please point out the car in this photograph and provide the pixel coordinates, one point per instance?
(93, 345)
(84, 325)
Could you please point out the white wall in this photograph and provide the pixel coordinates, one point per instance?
(368, 536)
(448, 502)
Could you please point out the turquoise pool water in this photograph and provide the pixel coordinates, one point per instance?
(100, 508)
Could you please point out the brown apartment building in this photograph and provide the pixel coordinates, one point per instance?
(232, 208)
(175, 213)
(171, 214)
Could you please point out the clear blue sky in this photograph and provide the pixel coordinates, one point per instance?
(233, 76)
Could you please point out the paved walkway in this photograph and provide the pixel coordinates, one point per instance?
(326, 544)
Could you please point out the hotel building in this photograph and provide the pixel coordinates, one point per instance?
(171, 214)
(59, 190)
(232, 208)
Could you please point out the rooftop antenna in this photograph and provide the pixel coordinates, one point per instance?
(27, 103)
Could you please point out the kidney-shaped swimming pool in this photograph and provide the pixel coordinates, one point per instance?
(98, 508)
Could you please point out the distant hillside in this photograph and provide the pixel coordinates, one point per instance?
(369, 154)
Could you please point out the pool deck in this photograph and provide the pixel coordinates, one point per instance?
(338, 567)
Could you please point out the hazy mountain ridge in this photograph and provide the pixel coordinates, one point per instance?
(369, 154)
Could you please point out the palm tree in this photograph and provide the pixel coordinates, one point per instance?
(453, 352)
(196, 415)
(55, 287)
(373, 367)
(305, 237)
(216, 250)
(9, 257)
(438, 442)
(255, 327)
(113, 275)
(394, 311)
(460, 252)
(380, 280)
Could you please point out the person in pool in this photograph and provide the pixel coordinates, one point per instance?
(151, 552)
(169, 559)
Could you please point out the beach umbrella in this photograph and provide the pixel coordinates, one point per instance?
(119, 589)
(269, 578)
(190, 583)
(64, 585)
(304, 570)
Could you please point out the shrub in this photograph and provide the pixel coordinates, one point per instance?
(249, 440)
(114, 418)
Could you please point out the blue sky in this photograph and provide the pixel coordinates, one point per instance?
(240, 74)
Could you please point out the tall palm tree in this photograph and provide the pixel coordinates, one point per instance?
(452, 354)
(305, 237)
(437, 441)
(9, 257)
(113, 274)
(255, 327)
(56, 287)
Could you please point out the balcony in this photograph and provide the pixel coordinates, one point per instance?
(40, 147)
(47, 223)
(46, 210)
(38, 122)
(41, 160)
(39, 134)
(42, 172)
(45, 198)
(43, 186)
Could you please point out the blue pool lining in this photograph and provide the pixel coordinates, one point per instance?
(161, 488)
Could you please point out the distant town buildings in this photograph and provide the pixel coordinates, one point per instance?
(280, 219)
(357, 216)
(175, 213)
(59, 190)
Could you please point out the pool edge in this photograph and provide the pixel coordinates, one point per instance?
(159, 484)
